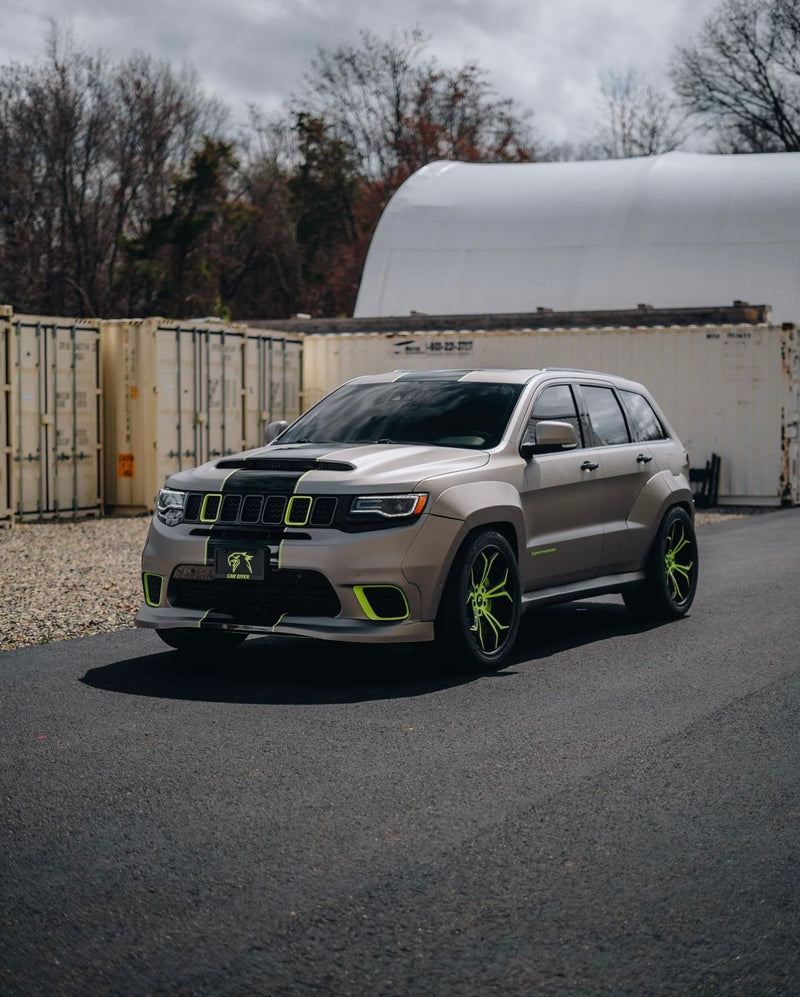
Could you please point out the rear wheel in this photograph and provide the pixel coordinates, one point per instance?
(480, 610)
(201, 641)
(671, 571)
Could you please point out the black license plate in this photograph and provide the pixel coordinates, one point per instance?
(240, 563)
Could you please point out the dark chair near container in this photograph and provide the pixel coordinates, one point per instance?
(707, 481)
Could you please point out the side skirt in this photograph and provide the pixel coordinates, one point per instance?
(582, 590)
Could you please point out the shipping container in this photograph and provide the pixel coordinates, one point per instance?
(181, 393)
(273, 381)
(729, 389)
(6, 455)
(52, 412)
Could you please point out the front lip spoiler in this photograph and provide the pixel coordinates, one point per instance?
(322, 628)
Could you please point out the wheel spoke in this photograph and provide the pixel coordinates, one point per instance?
(482, 596)
(678, 572)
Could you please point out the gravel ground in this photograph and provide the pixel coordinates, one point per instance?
(74, 578)
(69, 578)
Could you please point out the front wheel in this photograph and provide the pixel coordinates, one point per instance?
(480, 609)
(202, 642)
(671, 572)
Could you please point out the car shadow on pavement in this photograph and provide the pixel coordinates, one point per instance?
(285, 670)
(548, 630)
(280, 670)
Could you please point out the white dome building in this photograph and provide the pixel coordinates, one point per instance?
(670, 231)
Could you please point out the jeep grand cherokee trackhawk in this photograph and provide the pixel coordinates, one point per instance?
(429, 506)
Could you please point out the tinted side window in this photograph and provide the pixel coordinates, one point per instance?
(606, 421)
(554, 403)
(646, 424)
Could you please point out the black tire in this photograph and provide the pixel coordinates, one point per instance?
(671, 571)
(202, 642)
(480, 610)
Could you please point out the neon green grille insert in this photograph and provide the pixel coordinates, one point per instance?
(210, 508)
(298, 510)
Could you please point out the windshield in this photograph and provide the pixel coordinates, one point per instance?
(441, 413)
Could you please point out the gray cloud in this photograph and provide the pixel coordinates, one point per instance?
(547, 56)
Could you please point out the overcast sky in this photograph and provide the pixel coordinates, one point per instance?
(545, 54)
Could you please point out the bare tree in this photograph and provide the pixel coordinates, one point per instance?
(456, 116)
(396, 109)
(641, 120)
(158, 121)
(366, 95)
(88, 155)
(741, 78)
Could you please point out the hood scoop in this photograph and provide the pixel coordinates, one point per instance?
(282, 464)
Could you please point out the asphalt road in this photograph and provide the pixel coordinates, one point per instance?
(615, 813)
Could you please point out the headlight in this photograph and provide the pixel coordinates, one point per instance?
(389, 506)
(169, 506)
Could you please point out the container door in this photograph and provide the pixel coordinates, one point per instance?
(220, 417)
(272, 387)
(6, 452)
(55, 406)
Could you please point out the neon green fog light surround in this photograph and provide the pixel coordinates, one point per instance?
(362, 594)
(481, 596)
(153, 587)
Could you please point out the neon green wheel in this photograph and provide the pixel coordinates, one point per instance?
(671, 571)
(680, 562)
(479, 615)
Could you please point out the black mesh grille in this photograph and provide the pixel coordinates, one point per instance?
(251, 510)
(193, 503)
(323, 511)
(284, 592)
(229, 512)
(274, 508)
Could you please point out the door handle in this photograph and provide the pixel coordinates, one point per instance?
(589, 465)
(643, 458)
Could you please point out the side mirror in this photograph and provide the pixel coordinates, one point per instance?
(551, 437)
(274, 429)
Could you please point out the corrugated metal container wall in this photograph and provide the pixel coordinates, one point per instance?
(55, 415)
(272, 381)
(182, 393)
(6, 462)
(731, 390)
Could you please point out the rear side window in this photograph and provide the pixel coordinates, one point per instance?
(646, 424)
(555, 403)
(607, 424)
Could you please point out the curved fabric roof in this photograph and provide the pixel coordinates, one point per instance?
(676, 230)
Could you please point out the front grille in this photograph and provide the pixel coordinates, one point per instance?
(229, 512)
(282, 593)
(323, 510)
(191, 512)
(274, 508)
(251, 508)
(232, 508)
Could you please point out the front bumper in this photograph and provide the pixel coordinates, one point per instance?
(412, 559)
